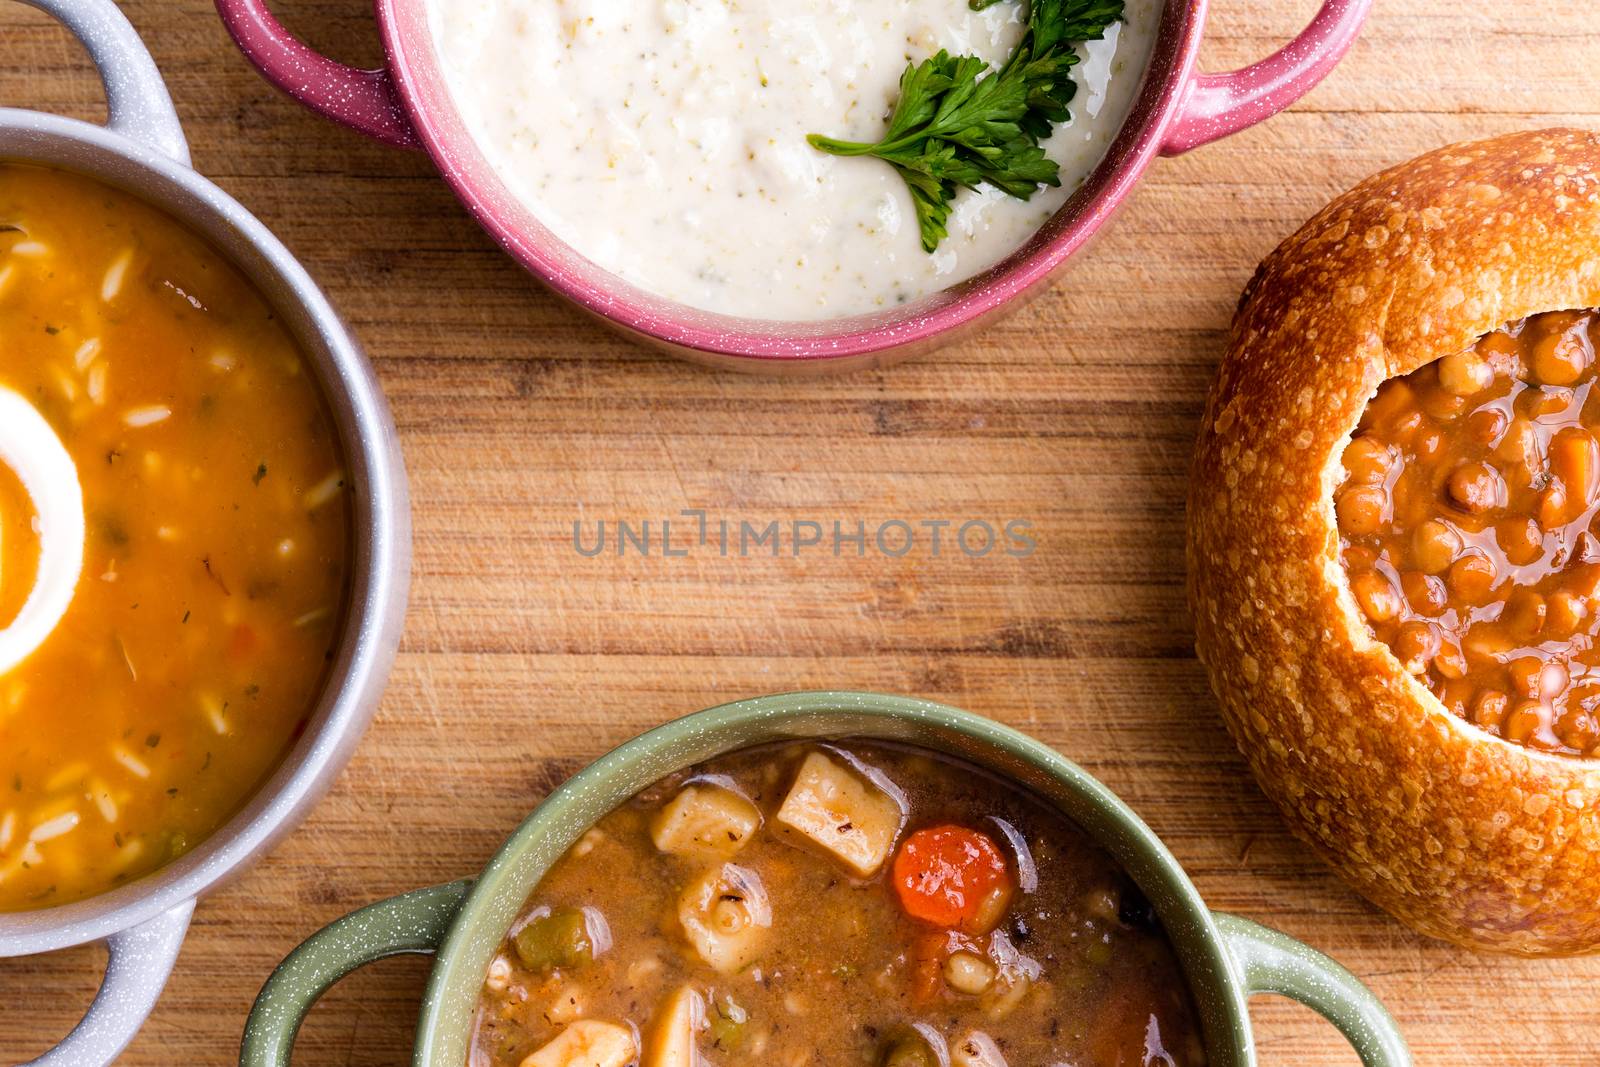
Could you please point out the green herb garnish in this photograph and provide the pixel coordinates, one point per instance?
(956, 127)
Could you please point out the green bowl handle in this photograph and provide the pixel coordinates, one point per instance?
(414, 922)
(1271, 962)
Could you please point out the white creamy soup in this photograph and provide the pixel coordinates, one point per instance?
(666, 140)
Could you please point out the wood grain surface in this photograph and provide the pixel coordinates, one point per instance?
(523, 660)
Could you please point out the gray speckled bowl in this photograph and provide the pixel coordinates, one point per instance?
(1225, 959)
(142, 150)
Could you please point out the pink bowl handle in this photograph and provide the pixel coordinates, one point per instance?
(1215, 105)
(363, 100)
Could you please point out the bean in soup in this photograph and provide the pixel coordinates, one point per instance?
(214, 539)
(852, 903)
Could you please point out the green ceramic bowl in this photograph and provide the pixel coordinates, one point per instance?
(1225, 959)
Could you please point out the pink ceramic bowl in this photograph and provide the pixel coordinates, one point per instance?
(407, 103)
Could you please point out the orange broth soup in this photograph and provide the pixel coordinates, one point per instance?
(216, 545)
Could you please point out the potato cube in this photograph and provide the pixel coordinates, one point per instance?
(587, 1043)
(705, 821)
(725, 917)
(842, 812)
(674, 1037)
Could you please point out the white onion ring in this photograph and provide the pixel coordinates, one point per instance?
(30, 447)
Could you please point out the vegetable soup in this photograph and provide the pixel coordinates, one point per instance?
(850, 903)
(214, 539)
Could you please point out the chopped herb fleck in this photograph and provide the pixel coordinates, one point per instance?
(205, 561)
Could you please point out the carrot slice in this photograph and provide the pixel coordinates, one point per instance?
(927, 955)
(944, 873)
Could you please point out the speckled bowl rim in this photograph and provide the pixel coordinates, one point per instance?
(920, 324)
(498, 895)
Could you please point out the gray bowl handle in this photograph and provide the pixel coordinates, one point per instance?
(1270, 962)
(136, 97)
(141, 958)
(414, 922)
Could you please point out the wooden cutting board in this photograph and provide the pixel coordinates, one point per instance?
(523, 659)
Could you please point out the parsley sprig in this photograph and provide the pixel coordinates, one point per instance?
(957, 127)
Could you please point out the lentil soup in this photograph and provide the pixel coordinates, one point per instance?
(859, 903)
(214, 546)
(1468, 518)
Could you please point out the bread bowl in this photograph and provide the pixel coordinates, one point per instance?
(1457, 831)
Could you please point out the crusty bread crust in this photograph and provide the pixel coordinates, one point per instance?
(1462, 835)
